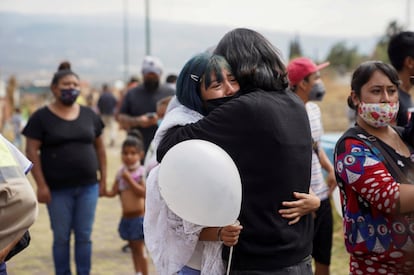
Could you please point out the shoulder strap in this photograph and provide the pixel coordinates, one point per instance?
(387, 158)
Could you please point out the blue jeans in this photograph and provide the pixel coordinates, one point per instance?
(73, 209)
(188, 271)
(3, 269)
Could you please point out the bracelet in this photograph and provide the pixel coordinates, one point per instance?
(219, 233)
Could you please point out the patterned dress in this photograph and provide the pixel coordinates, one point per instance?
(378, 237)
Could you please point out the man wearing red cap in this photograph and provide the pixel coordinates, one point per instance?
(304, 80)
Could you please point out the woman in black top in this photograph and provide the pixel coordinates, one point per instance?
(65, 145)
(266, 132)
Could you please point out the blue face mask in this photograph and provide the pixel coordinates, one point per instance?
(159, 122)
(68, 96)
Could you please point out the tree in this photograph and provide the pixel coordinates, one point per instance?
(294, 48)
(380, 51)
(343, 58)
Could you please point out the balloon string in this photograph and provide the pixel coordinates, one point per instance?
(237, 222)
(229, 263)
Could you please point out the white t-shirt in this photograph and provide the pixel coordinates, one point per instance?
(318, 184)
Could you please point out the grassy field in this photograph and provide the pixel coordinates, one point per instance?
(107, 256)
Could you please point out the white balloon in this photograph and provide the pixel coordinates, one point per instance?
(337, 201)
(200, 183)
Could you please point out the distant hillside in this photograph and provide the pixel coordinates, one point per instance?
(31, 46)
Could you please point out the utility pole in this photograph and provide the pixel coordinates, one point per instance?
(147, 29)
(126, 42)
(408, 15)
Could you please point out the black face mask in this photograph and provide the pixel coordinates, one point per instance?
(211, 104)
(151, 85)
(317, 92)
(68, 96)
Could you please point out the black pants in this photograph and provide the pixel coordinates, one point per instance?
(302, 268)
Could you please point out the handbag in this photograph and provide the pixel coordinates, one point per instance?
(20, 246)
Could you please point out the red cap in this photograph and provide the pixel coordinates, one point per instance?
(301, 67)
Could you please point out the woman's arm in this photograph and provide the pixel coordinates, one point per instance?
(101, 154)
(305, 204)
(143, 121)
(6, 250)
(367, 175)
(406, 198)
(114, 191)
(219, 126)
(229, 234)
(32, 152)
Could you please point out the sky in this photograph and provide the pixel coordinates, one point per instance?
(316, 17)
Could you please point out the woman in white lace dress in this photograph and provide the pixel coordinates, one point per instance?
(175, 245)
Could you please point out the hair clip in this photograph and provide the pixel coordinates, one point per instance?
(194, 77)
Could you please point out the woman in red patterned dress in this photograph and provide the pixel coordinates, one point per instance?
(377, 199)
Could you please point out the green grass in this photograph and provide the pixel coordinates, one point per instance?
(340, 258)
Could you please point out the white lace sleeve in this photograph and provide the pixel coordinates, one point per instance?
(169, 239)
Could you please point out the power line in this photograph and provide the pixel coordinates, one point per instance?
(408, 10)
(147, 29)
(126, 42)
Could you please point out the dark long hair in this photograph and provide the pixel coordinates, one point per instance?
(255, 62)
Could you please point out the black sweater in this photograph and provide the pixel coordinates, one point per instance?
(267, 135)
